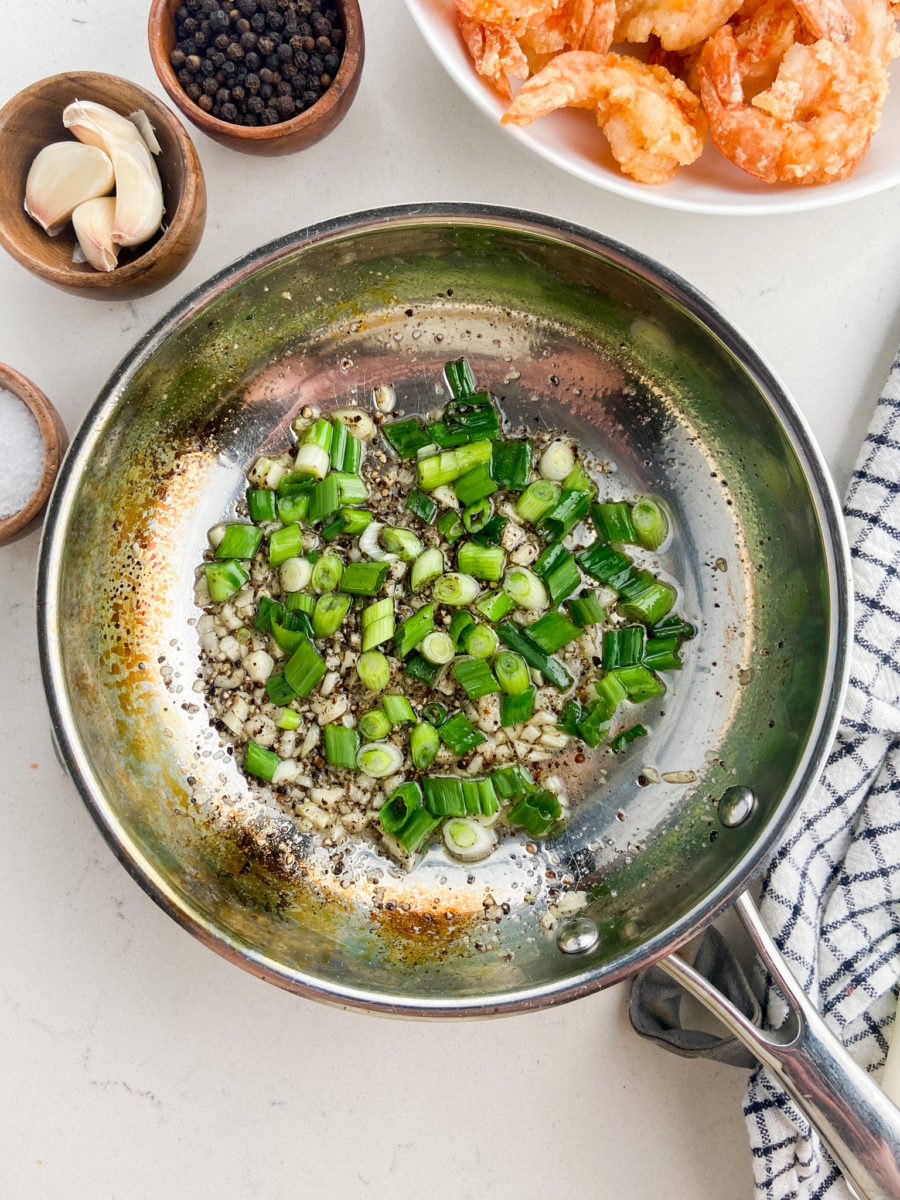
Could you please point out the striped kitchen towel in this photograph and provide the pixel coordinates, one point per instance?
(831, 894)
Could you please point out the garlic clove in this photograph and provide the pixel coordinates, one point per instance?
(139, 198)
(93, 223)
(62, 176)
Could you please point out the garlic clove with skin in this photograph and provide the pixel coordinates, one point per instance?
(139, 198)
(62, 176)
(93, 223)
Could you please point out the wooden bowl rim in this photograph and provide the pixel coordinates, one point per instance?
(305, 121)
(54, 438)
(185, 212)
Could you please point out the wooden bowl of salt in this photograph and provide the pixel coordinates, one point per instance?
(33, 440)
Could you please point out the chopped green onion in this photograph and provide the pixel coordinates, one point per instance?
(428, 566)
(450, 526)
(495, 605)
(511, 464)
(399, 710)
(348, 522)
(467, 840)
(364, 578)
(551, 668)
(477, 516)
(293, 508)
(537, 812)
(512, 673)
(300, 602)
(484, 562)
(460, 623)
(374, 670)
(285, 543)
(480, 797)
(434, 713)
(585, 609)
(261, 504)
(623, 646)
(475, 485)
(557, 461)
(673, 624)
(551, 556)
(402, 542)
(267, 610)
(411, 632)
(438, 647)
(319, 433)
(594, 723)
(379, 759)
(571, 507)
(661, 654)
(304, 669)
(538, 498)
(329, 613)
(377, 623)
(279, 690)
(374, 725)
(524, 587)
(459, 377)
(419, 668)
(352, 454)
(491, 532)
(294, 483)
(416, 829)
(224, 578)
(611, 690)
(650, 605)
(512, 782)
(289, 630)
(626, 737)
(259, 761)
(578, 480)
(450, 465)
(324, 499)
(466, 419)
(327, 572)
(609, 566)
(613, 521)
(475, 676)
(480, 641)
(650, 523)
(351, 488)
(455, 588)
(421, 506)
(400, 806)
(339, 435)
(563, 579)
(312, 460)
(406, 436)
(638, 682)
(570, 718)
(518, 708)
(552, 632)
(295, 574)
(341, 746)
(459, 734)
(287, 718)
(424, 744)
(444, 795)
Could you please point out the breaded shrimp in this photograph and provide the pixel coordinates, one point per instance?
(679, 24)
(496, 54)
(764, 31)
(812, 125)
(653, 122)
(826, 19)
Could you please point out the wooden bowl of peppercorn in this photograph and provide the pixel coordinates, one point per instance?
(33, 119)
(260, 76)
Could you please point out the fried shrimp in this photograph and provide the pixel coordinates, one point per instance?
(496, 54)
(812, 125)
(653, 122)
(679, 24)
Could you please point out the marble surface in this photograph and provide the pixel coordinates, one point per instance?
(138, 1064)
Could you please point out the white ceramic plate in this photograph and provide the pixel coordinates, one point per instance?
(573, 142)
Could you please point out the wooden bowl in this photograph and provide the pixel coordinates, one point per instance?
(286, 136)
(31, 120)
(55, 439)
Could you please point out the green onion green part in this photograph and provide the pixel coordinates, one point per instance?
(341, 746)
(421, 506)
(459, 377)
(537, 812)
(585, 609)
(459, 735)
(444, 795)
(480, 641)
(626, 737)
(419, 826)
(511, 464)
(651, 525)
(475, 677)
(364, 578)
(304, 669)
(450, 526)
(420, 669)
(377, 623)
(495, 605)
(518, 708)
(411, 632)
(324, 499)
(405, 437)
(623, 646)
(475, 485)
(662, 654)
(224, 578)
(374, 725)
(329, 613)
(259, 761)
(478, 516)
(538, 498)
(484, 562)
(261, 504)
(434, 713)
(512, 673)
(512, 782)
(398, 709)
(551, 668)
(571, 507)
(424, 744)
(327, 571)
(400, 806)
(460, 623)
(285, 543)
(552, 631)
(613, 521)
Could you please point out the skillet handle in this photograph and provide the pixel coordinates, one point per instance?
(858, 1123)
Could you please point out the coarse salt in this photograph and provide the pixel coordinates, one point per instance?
(21, 454)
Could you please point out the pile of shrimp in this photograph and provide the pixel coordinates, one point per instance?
(790, 91)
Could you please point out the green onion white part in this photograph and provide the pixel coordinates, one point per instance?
(379, 759)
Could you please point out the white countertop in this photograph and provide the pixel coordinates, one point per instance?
(136, 1063)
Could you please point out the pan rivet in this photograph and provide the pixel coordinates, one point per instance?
(578, 936)
(736, 806)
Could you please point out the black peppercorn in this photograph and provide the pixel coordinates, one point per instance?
(332, 62)
(218, 21)
(249, 40)
(247, 7)
(229, 112)
(182, 13)
(238, 94)
(255, 105)
(229, 70)
(241, 26)
(250, 119)
(286, 106)
(184, 77)
(210, 85)
(201, 39)
(252, 60)
(192, 63)
(205, 102)
(190, 26)
(283, 88)
(288, 70)
(235, 51)
(176, 58)
(266, 91)
(258, 22)
(193, 91)
(266, 76)
(252, 83)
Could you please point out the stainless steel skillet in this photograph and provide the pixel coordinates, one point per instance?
(572, 331)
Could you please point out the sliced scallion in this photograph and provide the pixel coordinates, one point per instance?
(419, 826)
(341, 746)
(437, 647)
(339, 435)
(524, 587)
(287, 718)
(623, 646)
(467, 840)
(459, 734)
(478, 515)
(402, 542)
(224, 578)
(285, 543)
(295, 574)
(585, 609)
(279, 690)
(420, 669)
(304, 669)
(379, 759)
(491, 533)
(312, 460)
(512, 782)
(495, 605)
(638, 682)
(460, 378)
(450, 526)
(512, 672)
(405, 437)
(374, 725)
(259, 761)
(475, 485)
(377, 623)
(662, 654)
(475, 677)
(480, 641)
(261, 504)
(327, 572)
(626, 737)
(434, 713)
(424, 744)
(613, 521)
(293, 508)
(398, 709)
(443, 795)
(538, 812)
(578, 480)
(324, 499)
(421, 506)
(570, 718)
(518, 708)
(329, 613)
(551, 668)
(552, 631)
(364, 578)
(428, 566)
(649, 605)
(557, 461)
(511, 464)
(538, 498)
(374, 670)
(455, 588)
(571, 507)
(484, 562)
(400, 806)
(411, 632)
